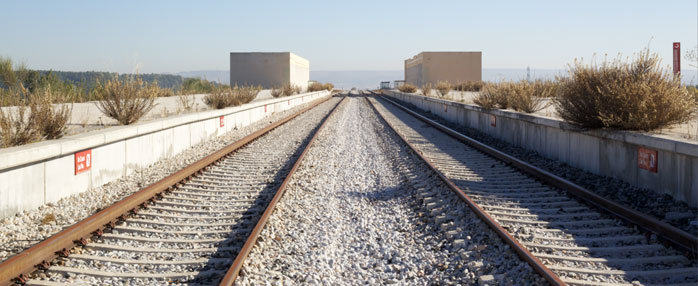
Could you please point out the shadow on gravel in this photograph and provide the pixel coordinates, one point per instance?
(573, 225)
(213, 272)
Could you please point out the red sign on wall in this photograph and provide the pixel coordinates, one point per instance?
(677, 57)
(222, 121)
(493, 120)
(83, 161)
(265, 108)
(647, 159)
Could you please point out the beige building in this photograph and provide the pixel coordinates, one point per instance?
(269, 69)
(453, 67)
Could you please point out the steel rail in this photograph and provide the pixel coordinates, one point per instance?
(16, 268)
(526, 255)
(234, 270)
(671, 234)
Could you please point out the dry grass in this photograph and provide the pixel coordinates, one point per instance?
(186, 102)
(521, 96)
(50, 113)
(426, 89)
(443, 87)
(494, 95)
(407, 88)
(245, 94)
(48, 218)
(17, 128)
(469, 86)
(635, 95)
(277, 92)
(316, 86)
(529, 97)
(126, 101)
(220, 97)
(289, 89)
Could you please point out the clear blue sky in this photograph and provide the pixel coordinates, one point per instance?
(174, 36)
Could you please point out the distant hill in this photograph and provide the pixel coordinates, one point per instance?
(218, 76)
(89, 78)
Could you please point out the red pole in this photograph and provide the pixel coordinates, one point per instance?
(677, 58)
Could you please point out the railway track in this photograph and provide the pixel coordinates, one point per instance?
(187, 228)
(564, 239)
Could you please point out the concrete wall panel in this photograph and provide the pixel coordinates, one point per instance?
(21, 189)
(62, 181)
(108, 163)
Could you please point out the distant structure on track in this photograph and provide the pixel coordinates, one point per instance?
(269, 69)
(453, 67)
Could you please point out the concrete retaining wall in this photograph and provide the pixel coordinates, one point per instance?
(617, 154)
(44, 172)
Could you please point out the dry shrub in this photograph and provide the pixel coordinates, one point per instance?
(316, 86)
(529, 97)
(186, 102)
(636, 95)
(276, 92)
(220, 97)
(297, 89)
(443, 87)
(17, 128)
(50, 113)
(407, 88)
(245, 94)
(165, 92)
(426, 89)
(126, 101)
(494, 95)
(47, 117)
(469, 86)
(289, 89)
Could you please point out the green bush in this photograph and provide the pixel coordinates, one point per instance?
(636, 95)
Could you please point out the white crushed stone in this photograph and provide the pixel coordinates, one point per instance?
(353, 214)
(26, 228)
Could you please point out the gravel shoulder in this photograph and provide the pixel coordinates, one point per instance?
(661, 206)
(30, 227)
(361, 209)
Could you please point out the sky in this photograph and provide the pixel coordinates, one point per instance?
(175, 36)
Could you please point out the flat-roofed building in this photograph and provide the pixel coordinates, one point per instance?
(453, 67)
(269, 70)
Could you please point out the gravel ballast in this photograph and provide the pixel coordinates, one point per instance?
(30, 227)
(661, 206)
(360, 209)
